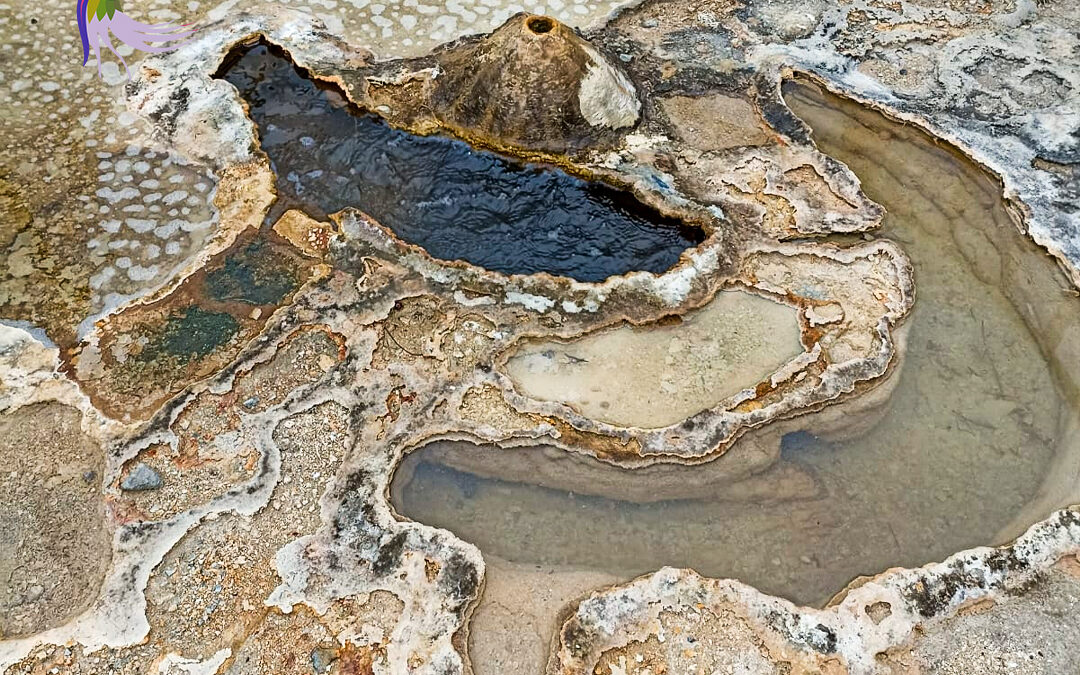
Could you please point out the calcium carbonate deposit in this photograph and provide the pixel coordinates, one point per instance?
(654, 338)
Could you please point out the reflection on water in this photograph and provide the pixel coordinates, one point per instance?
(456, 202)
(972, 429)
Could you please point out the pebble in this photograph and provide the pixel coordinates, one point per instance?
(321, 658)
(649, 23)
(142, 477)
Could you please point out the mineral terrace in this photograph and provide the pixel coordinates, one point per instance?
(202, 409)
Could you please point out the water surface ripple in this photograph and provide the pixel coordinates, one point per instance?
(455, 201)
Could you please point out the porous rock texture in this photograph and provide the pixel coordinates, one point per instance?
(980, 611)
(276, 413)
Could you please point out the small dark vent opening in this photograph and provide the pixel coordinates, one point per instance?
(540, 24)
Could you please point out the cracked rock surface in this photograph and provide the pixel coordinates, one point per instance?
(196, 450)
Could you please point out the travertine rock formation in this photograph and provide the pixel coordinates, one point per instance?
(534, 83)
(227, 440)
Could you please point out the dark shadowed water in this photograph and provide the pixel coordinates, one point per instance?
(455, 201)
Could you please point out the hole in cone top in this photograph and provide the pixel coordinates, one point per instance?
(540, 24)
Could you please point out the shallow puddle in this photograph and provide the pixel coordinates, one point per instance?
(984, 414)
(455, 201)
(649, 378)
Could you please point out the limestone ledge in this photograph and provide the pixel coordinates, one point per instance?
(420, 341)
(900, 621)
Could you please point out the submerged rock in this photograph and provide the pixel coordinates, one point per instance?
(142, 477)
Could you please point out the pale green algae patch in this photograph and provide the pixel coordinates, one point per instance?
(658, 376)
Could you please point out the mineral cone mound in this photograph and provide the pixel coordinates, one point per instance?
(534, 83)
